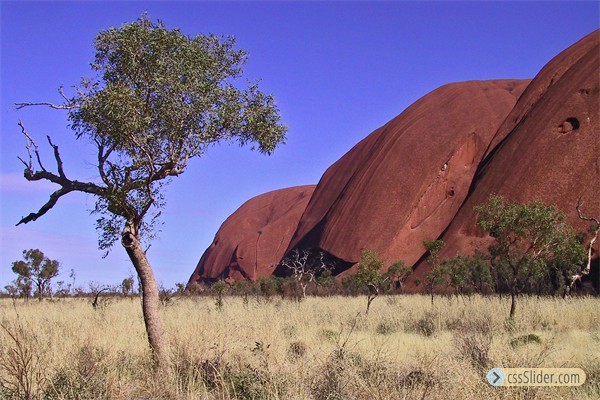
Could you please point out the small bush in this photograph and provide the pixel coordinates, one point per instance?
(416, 377)
(475, 347)
(426, 325)
(246, 382)
(386, 327)
(22, 375)
(329, 335)
(86, 379)
(525, 339)
(297, 350)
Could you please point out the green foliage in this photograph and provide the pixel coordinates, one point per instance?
(327, 284)
(434, 247)
(525, 339)
(426, 324)
(467, 274)
(368, 272)
(399, 273)
(529, 241)
(480, 274)
(161, 99)
(37, 269)
(369, 276)
(437, 275)
(127, 285)
(270, 286)
(219, 288)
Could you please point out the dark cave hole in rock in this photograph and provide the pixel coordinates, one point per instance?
(569, 125)
(574, 122)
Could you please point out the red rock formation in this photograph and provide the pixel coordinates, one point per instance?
(405, 182)
(548, 148)
(252, 241)
(419, 176)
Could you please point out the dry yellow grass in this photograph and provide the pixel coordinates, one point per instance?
(320, 348)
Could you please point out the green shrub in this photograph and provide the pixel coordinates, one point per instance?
(525, 339)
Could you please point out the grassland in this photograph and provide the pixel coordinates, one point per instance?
(319, 348)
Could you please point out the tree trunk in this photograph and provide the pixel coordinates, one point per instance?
(513, 305)
(150, 300)
(370, 299)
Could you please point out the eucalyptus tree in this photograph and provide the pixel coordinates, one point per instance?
(370, 276)
(159, 99)
(37, 269)
(529, 240)
(438, 274)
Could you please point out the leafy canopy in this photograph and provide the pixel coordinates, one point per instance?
(35, 268)
(35, 265)
(529, 239)
(160, 98)
(368, 271)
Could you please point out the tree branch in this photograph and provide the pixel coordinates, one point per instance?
(30, 142)
(588, 266)
(66, 185)
(46, 207)
(51, 105)
(59, 162)
(581, 216)
(69, 105)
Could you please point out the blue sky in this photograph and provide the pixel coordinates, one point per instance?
(338, 71)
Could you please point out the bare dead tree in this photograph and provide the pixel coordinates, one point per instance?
(304, 268)
(594, 230)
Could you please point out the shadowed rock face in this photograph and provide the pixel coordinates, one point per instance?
(405, 182)
(547, 149)
(252, 241)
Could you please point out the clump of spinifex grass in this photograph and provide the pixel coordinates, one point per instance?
(319, 348)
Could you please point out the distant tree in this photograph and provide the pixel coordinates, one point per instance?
(270, 286)
(245, 288)
(127, 285)
(480, 274)
(399, 273)
(36, 269)
(305, 267)
(20, 287)
(327, 284)
(529, 239)
(219, 288)
(180, 288)
(12, 290)
(437, 275)
(161, 99)
(468, 274)
(457, 269)
(63, 289)
(369, 275)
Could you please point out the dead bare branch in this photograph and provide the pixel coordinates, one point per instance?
(46, 207)
(68, 106)
(66, 185)
(586, 271)
(583, 217)
(59, 162)
(30, 142)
